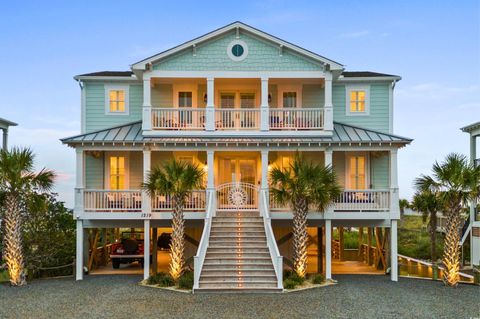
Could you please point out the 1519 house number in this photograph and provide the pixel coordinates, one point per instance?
(146, 215)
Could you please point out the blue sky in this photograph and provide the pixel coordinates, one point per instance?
(433, 45)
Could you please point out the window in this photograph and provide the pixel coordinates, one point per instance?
(289, 99)
(357, 172)
(227, 100)
(185, 99)
(247, 100)
(237, 50)
(117, 172)
(116, 99)
(357, 100)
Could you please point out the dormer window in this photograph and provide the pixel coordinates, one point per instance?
(357, 100)
(116, 99)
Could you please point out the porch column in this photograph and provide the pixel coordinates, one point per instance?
(264, 181)
(147, 105)
(264, 125)
(154, 250)
(79, 251)
(146, 249)
(394, 204)
(210, 109)
(79, 182)
(146, 202)
(5, 139)
(328, 106)
(328, 249)
(210, 170)
(393, 251)
(328, 157)
(473, 148)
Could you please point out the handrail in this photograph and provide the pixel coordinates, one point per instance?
(277, 259)
(199, 258)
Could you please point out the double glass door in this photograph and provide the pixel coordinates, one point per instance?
(239, 109)
(238, 171)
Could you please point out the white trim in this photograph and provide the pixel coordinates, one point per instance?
(185, 87)
(132, 78)
(141, 65)
(83, 110)
(237, 58)
(235, 74)
(119, 87)
(282, 88)
(368, 79)
(390, 107)
(125, 154)
(357, 87)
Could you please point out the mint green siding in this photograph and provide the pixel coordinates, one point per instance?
(313, 95)
(379, 170)
(94, 172)
(212, 56)
(95, 115)
(379, 117)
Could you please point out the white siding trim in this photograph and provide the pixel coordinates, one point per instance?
(108, 88)
(390, 107)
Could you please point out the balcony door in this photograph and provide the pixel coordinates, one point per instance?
(357, 171)
(238, 104)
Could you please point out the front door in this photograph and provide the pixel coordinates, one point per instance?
(237, 184)
(238, 171)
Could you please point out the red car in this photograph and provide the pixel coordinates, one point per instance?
(127, 251)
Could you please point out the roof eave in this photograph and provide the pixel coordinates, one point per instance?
(105, 78)
(369, 78)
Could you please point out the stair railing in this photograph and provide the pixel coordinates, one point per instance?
(199, 258)
(277, 259)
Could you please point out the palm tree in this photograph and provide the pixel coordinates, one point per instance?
(455, 183)
(18, 183)
(175, 179)
(300, 185)
(426, 202)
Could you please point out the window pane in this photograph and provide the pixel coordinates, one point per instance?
(353, 106)
(247, 100)
(227, 100)
(113, 95)
(289, 99)
(121, 106)
(184, 99)
(361, 165)
(361, 106)
(360, 95)
(353, 95)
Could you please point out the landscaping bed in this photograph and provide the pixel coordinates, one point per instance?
(292, 282)
(165, 281)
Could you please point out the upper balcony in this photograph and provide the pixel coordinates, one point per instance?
(237, 106)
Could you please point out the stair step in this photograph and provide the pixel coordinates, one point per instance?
(239, 279)
(238, 260)
(206, 273)
(237, 266)
(238, 290)
(234, 254)
(241, 237)
(237, 224)
(237, 214)
(237, 285)
(236, 244)
(237, 229)
(238, 248)
(237, 234)
(236, 219)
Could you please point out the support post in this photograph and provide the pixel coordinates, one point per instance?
(341, 241)
(393, 251)
(210, 170)
(154, 250)
(147, 105)
(210, 108)
(328, 106)
(146, 202)
(146, 249)
(369, 244)
(319, 250)
(328, 249)
(394, 198)
(328, 157)
(264, 111)
(264, 181)
(79, 182)
(5, 139)
(79, 251)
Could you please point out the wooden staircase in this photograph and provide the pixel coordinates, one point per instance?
(237, 258)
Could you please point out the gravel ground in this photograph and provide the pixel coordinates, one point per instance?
(353, 297)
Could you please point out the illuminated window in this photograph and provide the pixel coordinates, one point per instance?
(117, 172)
(357, 172)
(357, 99)
(116, 99)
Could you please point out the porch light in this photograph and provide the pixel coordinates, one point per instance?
(205, 96)
(269, 97)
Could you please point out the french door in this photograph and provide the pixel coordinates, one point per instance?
(237, 189)
(238, 111)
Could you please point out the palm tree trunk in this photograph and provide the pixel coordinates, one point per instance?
(300, 237)
(433, 236)
(13, 248)
(451, 252)
(177, 245)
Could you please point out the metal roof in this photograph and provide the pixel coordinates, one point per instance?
(132, 133)
(4, 124)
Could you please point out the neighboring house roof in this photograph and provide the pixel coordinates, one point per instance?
(132, 133)
(365, 74)
(141, 65)
(108, 73)
(471, 127)
(4, 124)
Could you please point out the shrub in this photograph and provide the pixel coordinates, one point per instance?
(289, 284)
(162, 279)
(186, 280)
(317, 279)
(293, 276)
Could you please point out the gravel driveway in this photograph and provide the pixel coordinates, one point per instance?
(353, 297)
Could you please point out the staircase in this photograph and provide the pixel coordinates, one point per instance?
(237, 258)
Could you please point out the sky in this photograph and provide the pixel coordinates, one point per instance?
(433, 45)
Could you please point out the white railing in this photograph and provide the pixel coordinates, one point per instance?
(277, 259)
(296, 119)
(363, 200)
(112, 200)
(195, 202)
(199, 258)
(237, 196)
(237, 119)
(178, 119)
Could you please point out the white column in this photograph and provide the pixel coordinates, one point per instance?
(328, 107)
(328, 249)
(264, 125)
(147, 105)
(473, 148)
(210, 109)
(5, 139)
(146, 202)
(393, 251)
(394, 197)
(79, 182)
(146, 249)
(328, 157)
(210, 170)
(79, 251)
(264, 181)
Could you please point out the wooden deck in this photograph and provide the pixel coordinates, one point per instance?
(353, 267)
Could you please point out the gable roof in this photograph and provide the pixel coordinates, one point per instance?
(141, 65)
(132, 133)
(365, 74)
